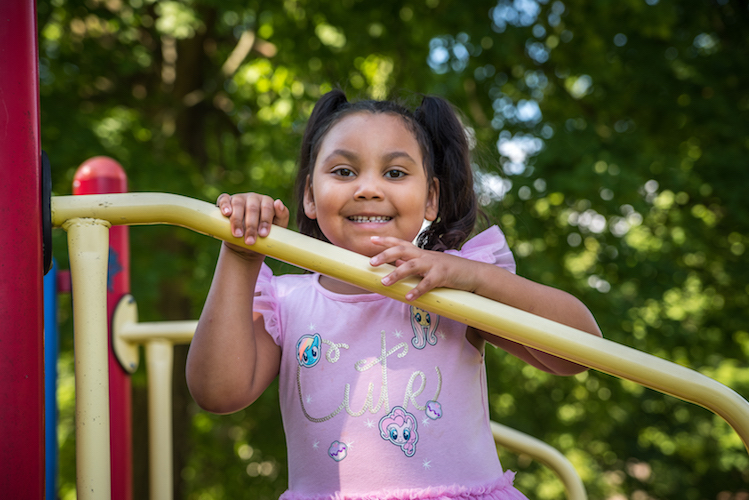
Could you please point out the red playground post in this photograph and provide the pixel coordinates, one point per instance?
(102, 175)
(21, 286)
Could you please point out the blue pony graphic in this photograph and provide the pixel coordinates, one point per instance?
(308, 350)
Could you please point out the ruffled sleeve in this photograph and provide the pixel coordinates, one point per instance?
(489, 246)
(266, 303)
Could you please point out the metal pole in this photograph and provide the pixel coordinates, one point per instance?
(51, 352)
(101, 175)
(21, 310)
(159, 360)
(88, 249)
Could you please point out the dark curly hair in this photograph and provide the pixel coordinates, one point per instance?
(445, 152)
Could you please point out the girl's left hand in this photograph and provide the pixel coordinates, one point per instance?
(437, 269)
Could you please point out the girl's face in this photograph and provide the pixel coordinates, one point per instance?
(369, 180)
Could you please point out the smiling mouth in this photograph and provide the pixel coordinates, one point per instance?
(379, 219)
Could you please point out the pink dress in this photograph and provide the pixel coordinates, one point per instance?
(381, 399)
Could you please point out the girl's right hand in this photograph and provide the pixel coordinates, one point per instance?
(251, 216)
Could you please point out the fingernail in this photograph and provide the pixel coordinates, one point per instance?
(374, 238)
(409, 296)
(373, 261)
(237, 232)
(386, 280)
(225, 210)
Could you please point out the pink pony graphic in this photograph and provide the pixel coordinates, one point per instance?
(399, 427)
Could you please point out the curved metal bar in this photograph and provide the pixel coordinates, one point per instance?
(493, 317)
(520, 442)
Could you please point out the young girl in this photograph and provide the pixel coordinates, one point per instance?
(379, 399)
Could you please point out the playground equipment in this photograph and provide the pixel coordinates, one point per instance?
(51, 348)
(24, 202)
(95, 176)
(104, 175)
(87, 219)
(21, 310)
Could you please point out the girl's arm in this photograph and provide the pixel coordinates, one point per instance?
(232, 358)
(503, 286)
(443, 270)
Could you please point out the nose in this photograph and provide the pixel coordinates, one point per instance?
(368, 187)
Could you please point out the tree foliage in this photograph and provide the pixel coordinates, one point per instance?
(610, 145)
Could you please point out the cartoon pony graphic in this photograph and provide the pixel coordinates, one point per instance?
(399, 427)
(423, 327)
(308, 350)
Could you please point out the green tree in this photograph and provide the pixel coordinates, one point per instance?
(610, 139)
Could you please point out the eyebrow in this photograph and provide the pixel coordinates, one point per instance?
(351, 156)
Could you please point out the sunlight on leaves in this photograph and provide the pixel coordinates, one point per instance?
(376, 70)
(330, 35)
(688, 300)
(579, 86)
(112, 128)
(177, 20)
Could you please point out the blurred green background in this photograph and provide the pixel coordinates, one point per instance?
(611, 146)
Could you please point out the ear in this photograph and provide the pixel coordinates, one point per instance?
(433, 201)
(310, 210)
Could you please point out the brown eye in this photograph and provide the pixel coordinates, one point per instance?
(395, 174)
(344, 172)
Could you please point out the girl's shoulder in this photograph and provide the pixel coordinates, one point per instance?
(490, 247)
(283, 284)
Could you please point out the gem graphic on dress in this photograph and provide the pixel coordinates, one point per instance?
(434, 410)
(308, 350)
(399, 427)
(337, 451)
(424, 326)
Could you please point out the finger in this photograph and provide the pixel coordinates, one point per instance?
(401, 250)
(236, 214)
(427, 284)
(408, 268)
(266, 216)
(251, 218)
(389, 241)
(282, 214)
(223, 202)
(414, 294)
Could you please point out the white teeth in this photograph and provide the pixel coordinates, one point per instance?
(361, 218)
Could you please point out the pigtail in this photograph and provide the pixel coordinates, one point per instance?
(451, 164)
(321, 113)
(319, 122)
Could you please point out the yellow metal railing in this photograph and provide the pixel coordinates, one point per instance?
(89, 213)
(88, 249)
(544, 453)
(159, 339)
